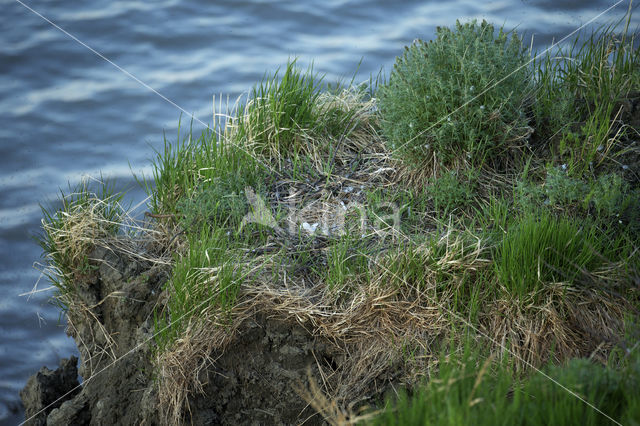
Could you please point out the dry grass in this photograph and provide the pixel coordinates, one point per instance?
(395, 331)
(182, 370)
(564, 324)
(389, 325)
(90, 221)
(367, 333)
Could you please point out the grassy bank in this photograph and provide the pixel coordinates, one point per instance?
(474, 199)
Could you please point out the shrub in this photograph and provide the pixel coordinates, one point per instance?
(461, 95)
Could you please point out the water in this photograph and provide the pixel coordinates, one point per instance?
(68, 114)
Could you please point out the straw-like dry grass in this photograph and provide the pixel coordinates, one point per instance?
(298, 210)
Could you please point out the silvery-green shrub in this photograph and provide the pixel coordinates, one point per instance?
(460, 96)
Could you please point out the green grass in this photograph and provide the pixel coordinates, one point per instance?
(347, 261)
(580, 90)
(280, 112)
(451, 269)
(404, 266)
(285, 115)
(70, 231)
(203, 180)
(540, 248)
(472, 389)
(206, 278)
(201, 183)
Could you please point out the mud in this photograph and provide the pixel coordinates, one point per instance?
(111, 322)
(253, 381)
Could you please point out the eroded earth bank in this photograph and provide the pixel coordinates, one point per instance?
(257, 378)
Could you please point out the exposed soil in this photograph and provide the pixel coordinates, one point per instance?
(253, 381)
(110, 321)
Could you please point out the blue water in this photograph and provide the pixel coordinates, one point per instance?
(66, 114)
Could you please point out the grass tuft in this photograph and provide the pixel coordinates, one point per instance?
(582, 93)
(207, 277)
(71, 230)
(470, 388)
(543, 248)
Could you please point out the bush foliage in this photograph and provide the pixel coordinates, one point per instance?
(462, 94)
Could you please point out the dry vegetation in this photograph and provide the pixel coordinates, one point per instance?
(391, 298)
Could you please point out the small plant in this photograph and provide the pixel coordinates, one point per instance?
(450, 193)
(607, 197)
(541, 248)
(206, 278)
(608, 200)
(459, 97)
(612, 196)
(71, 230)
(563, 190)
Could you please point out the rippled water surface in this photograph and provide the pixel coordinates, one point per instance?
(66, 113)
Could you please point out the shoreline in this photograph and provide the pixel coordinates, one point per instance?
(322, 253)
